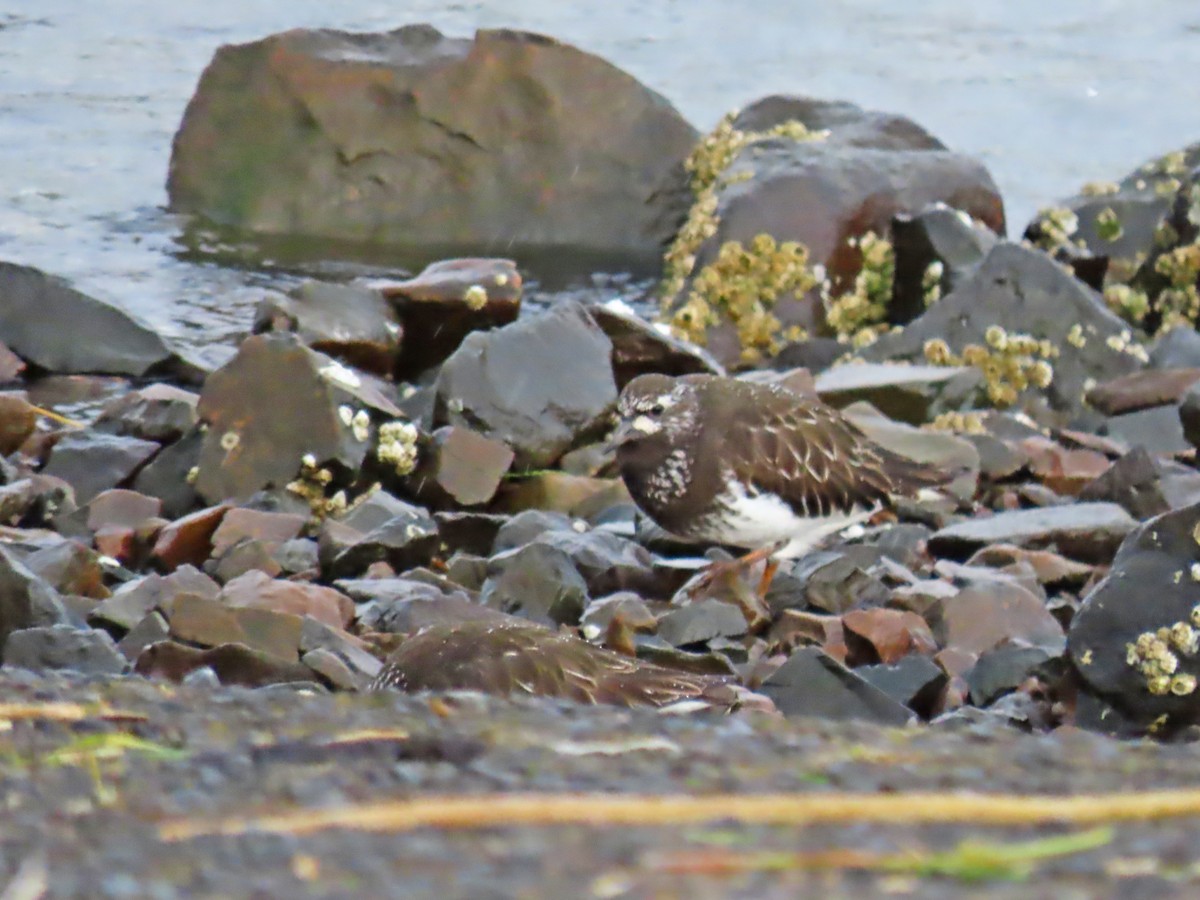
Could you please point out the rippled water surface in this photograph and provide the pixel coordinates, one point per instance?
(1049, 95)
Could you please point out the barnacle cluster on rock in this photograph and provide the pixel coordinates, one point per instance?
(720, 288)
(312, 483)
(957, 423)
(931, 282)
(398, 446)
(1179, 302)
(1127, 302)
(859, 316)
(1010, 363)
(1155, 655)
(1056, 227)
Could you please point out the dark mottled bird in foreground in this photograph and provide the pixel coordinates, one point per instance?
(751, 464)
(523, 658)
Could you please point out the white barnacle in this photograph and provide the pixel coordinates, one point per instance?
(230, 440)
(346, 414)
(339, 374)
(360, 425)
(1183, 684)
(476, 297)
(398, 446)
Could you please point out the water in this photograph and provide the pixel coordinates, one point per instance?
(1048, 95)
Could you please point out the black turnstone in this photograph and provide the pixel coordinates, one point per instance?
(521, 658)
(752, 465)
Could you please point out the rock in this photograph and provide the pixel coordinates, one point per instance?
(811, 683)
(460, 467)
(157, 412)
(937, 249)
(1158, 429)
(539, 384)
(11, 365)
(1189, 415)
(33, 308)
(1133, 481)
(234, 664)
(1089, 532)
(18, 420)
(407, 137)
(447, 301)
(1002, 670)
(208, 623)
(1050, 569)
(150, 630)
(169, 475)
(1142, 390)
(241, 524)
(92, 462)
(834, 582)
(639, 347)
(698, 623)
(1176, 348)
(134, 600)
(188, 541)
(122, 508)
(318, 636)
(257, 590)
(275, 403)
(607, 561)
(406, 539)
(825, 193)
(915, 680)
(1022, 291)
(1134, 639)
(26, 601)
(526, 527)
(352, 324)
(1059, 468)
(404, 605)
(885, 635)
(70, 567)
(554, 491)
(536, 582)
(467, 532)
(625, 606)
(64, 647)
(983, 616)
(1118, 221)
(909, 393)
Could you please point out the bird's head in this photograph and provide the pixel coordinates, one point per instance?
(655, 411)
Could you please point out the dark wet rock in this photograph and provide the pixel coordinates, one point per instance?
(33, 309)
(1002, 670)
(319, 636)
(26, 601)
(526, 659)
(34, 501)
(1142, 390)
(539, 384)
(156, 412)
(1120, 224)
(169, 475)
(639, 347)
(188, 541)
(983, 616)
(606, 561)
(408, 538)
(834, 582)
(150, 630)
(1134, 639)
(916, 681)
(464, 531)
(1133, 481)
(460, 467)
(234, 664)
(1189, 415)
(350, 323)
(527, 526)
(18, 419)
(257, 590)
(1089, 532)
(92, 462)
(885, 636)
(64, 647)
(1024, 292)
(275, 403)
(404, 605)
(908, 393)
(538, 582)
(811, 683)
(1177, 348)
(445, 302)
(902, 542)
(698, 623)
(1158, 429)
(70, 567)
(414, 130)
(949, 241)
(555, 491)
(132, 601)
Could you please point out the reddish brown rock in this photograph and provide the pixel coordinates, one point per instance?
(1142, 390)
(256, 590)
(240, 524)
(120, 507)
(18, 419)
(461, 467)
(188, 540)
(1062, 470)
(235, 664)
(1050, 568)
(987, 614)
(795, 628)
(885, 635)
(199, 620)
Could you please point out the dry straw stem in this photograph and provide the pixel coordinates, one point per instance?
(498, 810)
(64, 712)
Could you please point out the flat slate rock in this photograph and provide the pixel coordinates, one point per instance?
(812, 683)
(1087, 531)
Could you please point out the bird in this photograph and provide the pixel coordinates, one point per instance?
(753, 465)
(523, 658)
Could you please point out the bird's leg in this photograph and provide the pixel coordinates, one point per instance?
(728, 574)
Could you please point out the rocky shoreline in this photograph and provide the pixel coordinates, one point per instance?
(382, 456)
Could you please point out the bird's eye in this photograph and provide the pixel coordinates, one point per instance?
(657, 409)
